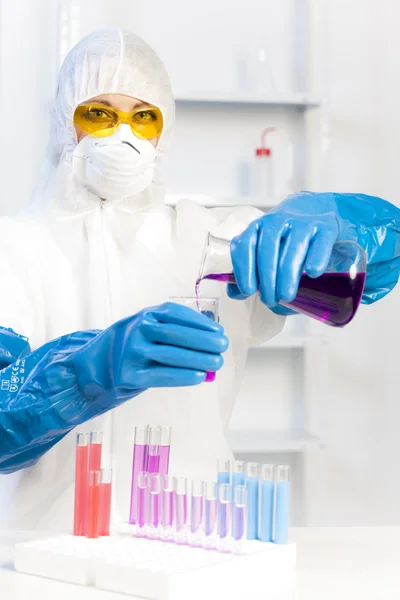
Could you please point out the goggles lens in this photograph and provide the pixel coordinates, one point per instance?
(99, 120)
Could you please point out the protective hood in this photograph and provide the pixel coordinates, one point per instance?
(110, 61)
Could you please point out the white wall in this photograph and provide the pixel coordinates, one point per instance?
(364, 411)
(28, 51)
(362, 57)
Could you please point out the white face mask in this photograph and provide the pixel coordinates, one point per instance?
(115, 167)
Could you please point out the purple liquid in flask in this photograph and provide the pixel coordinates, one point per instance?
(332, 298)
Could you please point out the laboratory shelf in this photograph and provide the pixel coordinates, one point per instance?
(246, 98)
(274, 441)
(210, 201)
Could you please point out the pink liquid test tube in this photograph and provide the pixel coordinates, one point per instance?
(180, 503)
(154, 498)
(165, 447)
(93, 504)
(153, 449)
(142, 499)
(105, 502)
(138, 465)
(168, 501)
(81, 484)
(210, 508)
(196, 515)
(96, 440)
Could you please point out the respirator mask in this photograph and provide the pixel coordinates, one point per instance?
(116, 159)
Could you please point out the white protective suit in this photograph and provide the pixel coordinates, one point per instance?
(73, 263)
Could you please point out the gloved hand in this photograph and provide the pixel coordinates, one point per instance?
(79, 376)
(298, 236)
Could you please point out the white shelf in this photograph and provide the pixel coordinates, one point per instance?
(221, 201)
(288, 100)
(266, 442)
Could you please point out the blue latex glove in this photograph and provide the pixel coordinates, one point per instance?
(298, 235)
(46, 393)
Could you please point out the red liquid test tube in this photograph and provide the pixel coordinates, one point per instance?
(93, 504)
(96, 438)
(105, 502)
(81, 484)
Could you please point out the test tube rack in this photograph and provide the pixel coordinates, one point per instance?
(155, 570)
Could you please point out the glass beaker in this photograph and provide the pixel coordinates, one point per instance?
(332, 298)
(207, 306)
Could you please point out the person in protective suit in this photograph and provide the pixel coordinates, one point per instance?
(88, 339)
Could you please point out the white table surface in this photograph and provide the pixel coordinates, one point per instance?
(333, 564)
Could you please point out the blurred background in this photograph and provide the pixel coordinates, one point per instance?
(325, 75)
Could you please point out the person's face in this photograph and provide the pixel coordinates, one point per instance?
(119, 102)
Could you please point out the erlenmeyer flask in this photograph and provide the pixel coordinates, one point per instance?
(332, 298)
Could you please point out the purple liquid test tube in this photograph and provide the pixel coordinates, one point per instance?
(153, 449)
(154, 499)
(180, 505)
(138, 465)
(210, 508)
(168, 501)
(196, 513)
(142, 499)
(210, 541)
(224, 510)
(165, 446)
(239, 525)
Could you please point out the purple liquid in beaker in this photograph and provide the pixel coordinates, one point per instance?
(332, 298)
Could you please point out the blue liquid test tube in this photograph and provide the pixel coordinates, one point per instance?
(282, 501)
(224, 472)
(237, 476)
(267, 503)
(252, 484)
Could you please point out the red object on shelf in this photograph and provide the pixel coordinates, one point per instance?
(93, 505)
(105, 502)
(81, 485)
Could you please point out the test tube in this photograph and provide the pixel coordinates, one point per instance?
(105, 502)
(93, 504)
(138, 465)
(142, 499)
(168, 501)
(267, 503)
(224, 510)
(153, 449)
(196, 513)
(81, 484)
(154, 497)
(282, 501)
(252, 484)
(239, 524)
(180, 504)
(224, 475)
(165, 447)
(237, 476)
(210, 508)
(96, 440)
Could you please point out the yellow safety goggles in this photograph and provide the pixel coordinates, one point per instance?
(99, 120)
